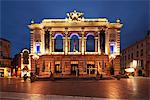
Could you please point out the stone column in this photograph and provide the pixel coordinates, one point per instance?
(106, 42)
(80, 44)
(99, 51)
(66, 41)
(96, 44)
(63, 44)
(69, 44)
(31, 41)
(82, 39)
(53, 44)
(50, 44)
(118, 42)
(42, 42)
(84, 44)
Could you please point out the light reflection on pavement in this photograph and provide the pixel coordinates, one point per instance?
(135, 88)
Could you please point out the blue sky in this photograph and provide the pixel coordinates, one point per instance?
(16, 15)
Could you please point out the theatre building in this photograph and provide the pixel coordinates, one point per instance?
(75, 46)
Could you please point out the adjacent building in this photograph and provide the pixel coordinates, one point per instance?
(137, 56)
(74, 46)
(21, 63)
(5, 60)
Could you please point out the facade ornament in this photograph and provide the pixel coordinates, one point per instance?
(118, 20)
(32, 21)
(75, 16)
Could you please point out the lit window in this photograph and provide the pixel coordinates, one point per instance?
(112, 47)
(37, 47)
(58, 68)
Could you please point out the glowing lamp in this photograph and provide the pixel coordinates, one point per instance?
(130, 70)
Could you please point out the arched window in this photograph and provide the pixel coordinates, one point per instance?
(58, 43)
(90, 43)
(74, 42)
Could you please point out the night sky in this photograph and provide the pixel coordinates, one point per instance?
(16, 15)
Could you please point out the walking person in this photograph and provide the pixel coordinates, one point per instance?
(51, 76)
(25, 77)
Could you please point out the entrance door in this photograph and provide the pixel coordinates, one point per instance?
(58, 68)
(90, 69)
(74, 69)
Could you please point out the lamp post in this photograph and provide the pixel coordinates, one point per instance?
(35, 57)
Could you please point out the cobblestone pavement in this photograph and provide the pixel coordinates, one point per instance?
(26, 96)
(130, 89)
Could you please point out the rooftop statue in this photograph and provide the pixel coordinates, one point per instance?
(75, 16)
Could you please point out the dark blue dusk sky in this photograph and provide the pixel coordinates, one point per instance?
(17, 14)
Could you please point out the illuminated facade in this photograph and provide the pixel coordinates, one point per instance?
(75, 46)
(21, 63)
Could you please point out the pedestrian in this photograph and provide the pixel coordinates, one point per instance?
(32, 78)
(101, 76)
(25, 77)
(51, 75)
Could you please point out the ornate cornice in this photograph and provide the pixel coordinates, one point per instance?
(76, 19)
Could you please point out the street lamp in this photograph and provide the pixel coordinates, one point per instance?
(35, 57)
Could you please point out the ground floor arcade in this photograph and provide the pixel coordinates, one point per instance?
(73, 65)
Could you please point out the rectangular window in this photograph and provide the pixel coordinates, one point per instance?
(1, 53)
(37, 47)
(111, 49)
(142, 65)
(129, 56)
(132, 56)
(141, 44)
(141, 52)
(58, 68)
(137, 46)
(137, 54)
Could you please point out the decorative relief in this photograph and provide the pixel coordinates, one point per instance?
(112, 36)
(25, 57)
(37, 36)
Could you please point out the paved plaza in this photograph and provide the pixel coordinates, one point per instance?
(128, 89)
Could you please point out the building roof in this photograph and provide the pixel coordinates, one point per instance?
(75, 19)
(137, 42)
(4, 40)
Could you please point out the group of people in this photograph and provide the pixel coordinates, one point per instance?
(32, 77)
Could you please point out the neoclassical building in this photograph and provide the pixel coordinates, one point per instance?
(75, 46)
